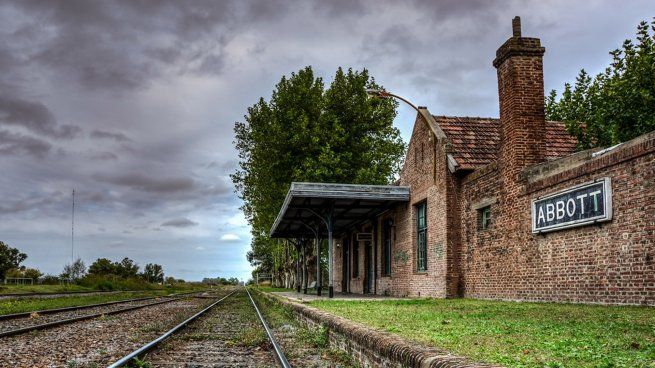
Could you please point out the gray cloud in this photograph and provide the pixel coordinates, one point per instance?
(341, 8)
(12, 206)
(33, 116)
(103, 156)
(148, 184)
(180, 222)
(18, 144)
(116, 136)
(124, 45)
(457, 10)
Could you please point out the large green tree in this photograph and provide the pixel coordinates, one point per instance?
(616, 105)
(126, 268)
(102, 266)
(9, 258)
(307, 132)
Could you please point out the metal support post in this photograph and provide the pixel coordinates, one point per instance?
(298, 272)
(304, 268)
(330, 255)
(319, 282)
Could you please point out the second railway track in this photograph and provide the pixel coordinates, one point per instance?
(17, 323)
(96, 342)
(231, 332)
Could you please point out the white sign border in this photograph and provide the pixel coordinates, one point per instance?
(607, 188)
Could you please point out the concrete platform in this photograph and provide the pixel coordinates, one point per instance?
(300, 297)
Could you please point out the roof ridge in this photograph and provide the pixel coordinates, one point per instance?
(464, 117)
(474, 141)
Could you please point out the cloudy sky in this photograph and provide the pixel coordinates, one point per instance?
(132, 103)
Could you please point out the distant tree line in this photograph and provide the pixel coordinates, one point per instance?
(101, 270)
(125, 269)
(220, 281)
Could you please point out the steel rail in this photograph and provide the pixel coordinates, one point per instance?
(66, 293)
(278, 351)
(80, 318)
(4, 317)
(152, 344)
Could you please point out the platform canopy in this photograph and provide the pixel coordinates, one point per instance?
(346, 205)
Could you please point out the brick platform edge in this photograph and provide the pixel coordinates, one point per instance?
(373, 348)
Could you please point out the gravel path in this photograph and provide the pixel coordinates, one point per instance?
(96, 342)
(230, 335)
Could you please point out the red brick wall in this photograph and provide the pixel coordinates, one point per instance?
(418, 174)
(609, 263)
(519, 64)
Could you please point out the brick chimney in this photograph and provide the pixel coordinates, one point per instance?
(519, 63)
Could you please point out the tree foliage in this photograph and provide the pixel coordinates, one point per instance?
(153, 272)
(24, 272)
(102, 266)
(9, 258)
(32, 273)
(74, 271)
(616, 105)
(220, 281)
(309, 133)
(126, 268)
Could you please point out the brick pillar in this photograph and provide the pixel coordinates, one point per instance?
(519, 64)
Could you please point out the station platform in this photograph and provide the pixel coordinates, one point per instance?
(300, 297)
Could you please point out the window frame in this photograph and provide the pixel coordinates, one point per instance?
(485, 218)
(387, 244)
(421, 237)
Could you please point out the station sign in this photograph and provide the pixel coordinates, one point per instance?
(576, 206)
(364, 236)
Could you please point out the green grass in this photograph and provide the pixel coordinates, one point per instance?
(269, 289)
(27, 305)
(28, 289)
(516, 334)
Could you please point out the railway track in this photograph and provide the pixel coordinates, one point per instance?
(66, 294)
(18, 323)
(59, 295)
(97, 342)
(224, 334)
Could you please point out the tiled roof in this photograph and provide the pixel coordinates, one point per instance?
(475, 141)
(559, 142)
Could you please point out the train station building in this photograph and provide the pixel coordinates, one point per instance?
(493, 208)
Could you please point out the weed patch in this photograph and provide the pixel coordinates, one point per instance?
(250, 337)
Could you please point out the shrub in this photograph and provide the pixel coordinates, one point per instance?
(50, 280)
(113, 282)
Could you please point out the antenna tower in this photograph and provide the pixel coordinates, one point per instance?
(73, 228)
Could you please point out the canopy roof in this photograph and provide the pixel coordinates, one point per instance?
(309, 205)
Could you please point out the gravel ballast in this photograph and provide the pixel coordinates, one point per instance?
(95, 342)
